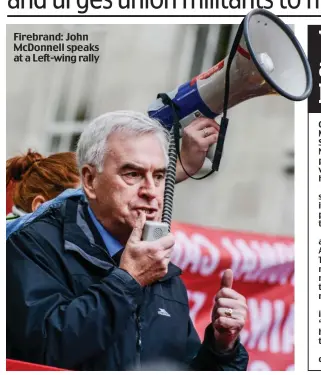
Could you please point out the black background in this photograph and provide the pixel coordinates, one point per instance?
(314, 56)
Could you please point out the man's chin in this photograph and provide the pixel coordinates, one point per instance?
(153, 216)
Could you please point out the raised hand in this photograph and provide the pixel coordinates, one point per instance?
(229, 313)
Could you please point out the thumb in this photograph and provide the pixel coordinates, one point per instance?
(227, 279)
(137, 232)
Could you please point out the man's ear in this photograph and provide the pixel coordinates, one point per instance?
(37, 202)
(89, 174)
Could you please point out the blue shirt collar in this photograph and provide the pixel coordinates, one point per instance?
(112, 245)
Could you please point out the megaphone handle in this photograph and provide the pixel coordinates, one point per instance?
(220, 143)
(210, 153)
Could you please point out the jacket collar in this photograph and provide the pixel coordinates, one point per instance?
(79, 232)
(81, 235)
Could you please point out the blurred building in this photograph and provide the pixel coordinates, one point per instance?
(48, 105)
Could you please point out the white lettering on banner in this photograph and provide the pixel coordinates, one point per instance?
(263, 366)
(288, 274)
(277, 274)
(251, 260)
(260, 320)
(266, 331)
(236, 256)
(280, 267)
(259, 366)
(210, 260)
(292, 280)
(275, 332)
(188, 253)
(185, 254)
(285, 252)
(196, 302)
(260, 261)
(288, 335)
(267, 257)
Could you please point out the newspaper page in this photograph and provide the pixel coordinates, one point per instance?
(252, 64)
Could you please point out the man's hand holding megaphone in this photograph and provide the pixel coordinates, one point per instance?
(197, 138)
(229, 314)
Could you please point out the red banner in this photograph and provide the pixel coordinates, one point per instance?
(13, 365)
(263, 268)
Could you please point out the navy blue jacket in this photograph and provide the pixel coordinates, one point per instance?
(70, 306)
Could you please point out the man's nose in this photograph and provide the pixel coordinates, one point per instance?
(148, 189)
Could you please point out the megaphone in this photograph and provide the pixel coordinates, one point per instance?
(266, 59)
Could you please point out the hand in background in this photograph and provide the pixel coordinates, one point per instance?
(197, 137)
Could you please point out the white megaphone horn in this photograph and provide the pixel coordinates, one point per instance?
(266, 58)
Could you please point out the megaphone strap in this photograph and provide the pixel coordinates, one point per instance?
(224, 121)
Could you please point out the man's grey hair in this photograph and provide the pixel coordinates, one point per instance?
(93, 143)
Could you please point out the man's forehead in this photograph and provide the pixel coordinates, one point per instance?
(129, 137)
(142, 149)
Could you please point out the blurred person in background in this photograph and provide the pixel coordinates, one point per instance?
(36, 179)
(84, 292)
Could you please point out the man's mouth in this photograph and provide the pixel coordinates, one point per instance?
(149, 212)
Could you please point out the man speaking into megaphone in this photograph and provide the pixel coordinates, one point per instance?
(87, 291)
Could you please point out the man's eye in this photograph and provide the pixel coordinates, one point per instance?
(132, 174)
(160, 177)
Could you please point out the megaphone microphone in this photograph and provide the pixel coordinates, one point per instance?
(265, 58)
